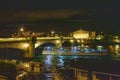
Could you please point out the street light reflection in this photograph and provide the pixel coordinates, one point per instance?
(48, 61)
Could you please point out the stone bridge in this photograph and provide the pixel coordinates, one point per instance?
(28, 45)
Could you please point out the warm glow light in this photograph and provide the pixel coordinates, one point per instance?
(82, 45)
(26, 65)
(78, 40)
(26, 45)
(116, 37)
(33, 33)
(82, 40)
(57, 41)
(21, 29)
(52, 32)
(37, 44)
(98, 37)
(117, 40)
(81, 36)
(71, 41)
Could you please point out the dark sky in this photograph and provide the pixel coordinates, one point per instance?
(60, 15)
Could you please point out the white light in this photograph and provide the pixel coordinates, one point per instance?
(48, 61)
(37, 44)
(48, 47)
(75, 48)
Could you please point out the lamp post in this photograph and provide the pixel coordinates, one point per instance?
(52, 33)
(21, 31)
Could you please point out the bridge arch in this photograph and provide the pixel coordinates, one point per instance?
(66, 44)
(56, 42)
(39, 49)
(20, 46)
(28, 46)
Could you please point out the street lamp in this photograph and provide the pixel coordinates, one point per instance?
(52, 33)
(21, 29)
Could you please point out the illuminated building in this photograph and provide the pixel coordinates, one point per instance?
(83, 34)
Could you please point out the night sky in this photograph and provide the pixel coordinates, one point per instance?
(59, 15)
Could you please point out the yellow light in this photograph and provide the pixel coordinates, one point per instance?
(37, 44)
(82, 45)
(57, 41)
(71, 41)
(26, 65)
(82, 40)
(78, 40)
(116, 37)
(21, 29)
(26, 45)
(52, 32)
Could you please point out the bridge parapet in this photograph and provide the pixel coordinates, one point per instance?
(81, 74)
(28, 38)
(13, 39)
(42, 38)
(28, 44)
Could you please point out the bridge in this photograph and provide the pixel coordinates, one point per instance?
(29, 44)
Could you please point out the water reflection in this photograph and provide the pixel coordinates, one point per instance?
(60, 61)
(48, 61)
(51, 60)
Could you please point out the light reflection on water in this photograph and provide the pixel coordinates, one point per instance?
(58, 60)
(50, 58)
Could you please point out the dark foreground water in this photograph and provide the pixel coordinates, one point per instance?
(99, 65)
(96, 63)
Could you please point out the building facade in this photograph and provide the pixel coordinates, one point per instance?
(84, 34)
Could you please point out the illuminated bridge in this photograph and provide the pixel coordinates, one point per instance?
(29, 44)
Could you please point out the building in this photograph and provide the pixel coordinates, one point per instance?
(83, 34)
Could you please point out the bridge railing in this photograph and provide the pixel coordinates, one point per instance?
(28, 38)
(13, 39)
(102, 75)
(42, 38)
(81, 74)
(59, 77)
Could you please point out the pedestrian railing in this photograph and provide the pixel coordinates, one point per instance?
(81, 74)
(58, 74)
(102, 75)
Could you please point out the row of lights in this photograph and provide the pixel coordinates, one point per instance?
(57, 41)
